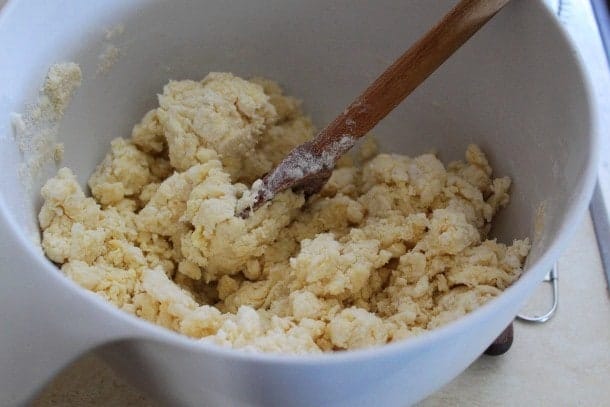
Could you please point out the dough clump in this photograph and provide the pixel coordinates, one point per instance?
(391, 247)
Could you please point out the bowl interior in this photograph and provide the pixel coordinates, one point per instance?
(515, 89)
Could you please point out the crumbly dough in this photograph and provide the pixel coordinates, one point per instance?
(391, 247)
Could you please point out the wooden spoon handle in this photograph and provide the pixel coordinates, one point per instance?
(409, 71)
(309, 165)
(502, 343)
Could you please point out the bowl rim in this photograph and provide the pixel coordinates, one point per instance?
(145, 330)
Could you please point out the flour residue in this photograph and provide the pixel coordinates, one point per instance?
(59, 86)
(107, 59)
(36, 129)
(111, 52)
(114, 31)
(539, 221)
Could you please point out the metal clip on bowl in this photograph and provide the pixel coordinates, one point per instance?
(551, 278)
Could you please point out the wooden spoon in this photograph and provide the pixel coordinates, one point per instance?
(502, 343)
(309, 165)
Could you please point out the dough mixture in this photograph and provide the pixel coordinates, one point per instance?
(391, 247)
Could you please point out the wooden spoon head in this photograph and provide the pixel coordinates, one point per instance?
(309, 185)
(306, 169)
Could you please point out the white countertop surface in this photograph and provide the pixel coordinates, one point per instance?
(565, 362)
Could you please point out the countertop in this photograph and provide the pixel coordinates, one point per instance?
(564, 362)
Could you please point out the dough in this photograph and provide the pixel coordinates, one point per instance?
(391, 247)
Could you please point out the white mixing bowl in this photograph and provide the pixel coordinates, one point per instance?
(516, 89)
